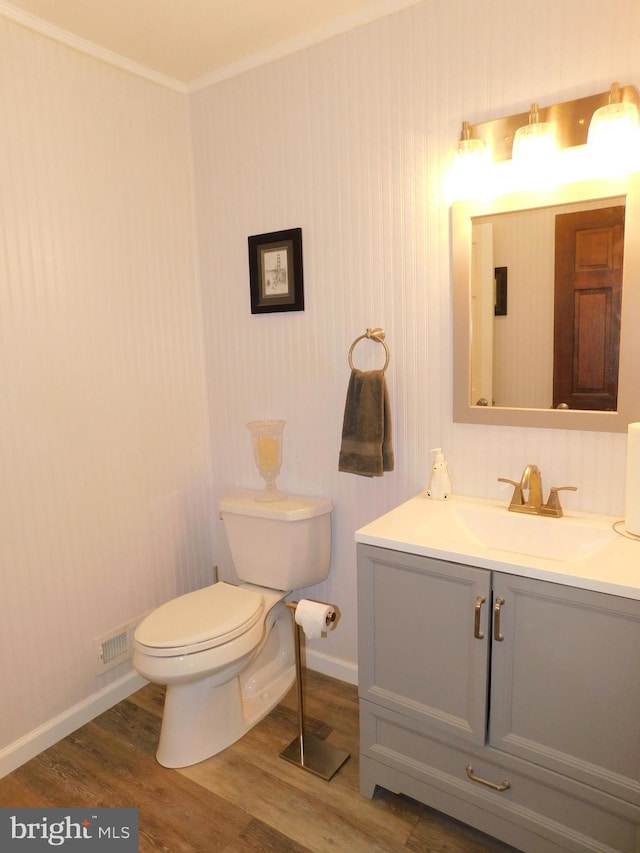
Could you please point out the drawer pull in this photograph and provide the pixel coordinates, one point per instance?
(498, 636)
(503, 786)
(477, 633)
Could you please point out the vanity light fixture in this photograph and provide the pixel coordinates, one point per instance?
(615, 127)
(467, 148)
(571, 121)
(535, 142)
(470, 162)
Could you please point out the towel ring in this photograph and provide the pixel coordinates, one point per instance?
(374, 335)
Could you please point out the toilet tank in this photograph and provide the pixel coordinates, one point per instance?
(282, 544)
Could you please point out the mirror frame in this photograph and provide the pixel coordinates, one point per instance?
(628, 410)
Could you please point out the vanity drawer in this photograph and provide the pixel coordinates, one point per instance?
(555, 812)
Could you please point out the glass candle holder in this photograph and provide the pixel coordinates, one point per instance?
(266, 437)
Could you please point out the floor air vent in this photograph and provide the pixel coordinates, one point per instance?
(113, 648)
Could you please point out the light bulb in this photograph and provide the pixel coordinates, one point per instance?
(614, 134)
(470, 164)
(536, 140)
(535, 149)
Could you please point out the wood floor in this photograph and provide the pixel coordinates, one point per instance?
(246, 798)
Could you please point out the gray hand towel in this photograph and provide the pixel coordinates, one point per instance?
(366, 432)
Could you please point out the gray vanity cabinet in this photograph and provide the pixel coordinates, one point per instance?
(510, 703)
(413, 657)
(565, 690)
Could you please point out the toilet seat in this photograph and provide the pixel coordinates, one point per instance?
(200, 620)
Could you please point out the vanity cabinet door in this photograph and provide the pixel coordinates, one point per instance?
(423, 640)
(565, 684)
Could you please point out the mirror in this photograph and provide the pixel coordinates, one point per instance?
(536, 275)
(504, 363)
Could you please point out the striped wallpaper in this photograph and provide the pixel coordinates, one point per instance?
(130, 361)
(104, 438)
(348, 140)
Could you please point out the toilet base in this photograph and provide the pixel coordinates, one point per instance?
(201, 718)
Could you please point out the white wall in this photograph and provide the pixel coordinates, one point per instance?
(348, 140)
(524, 243)
(104, 441)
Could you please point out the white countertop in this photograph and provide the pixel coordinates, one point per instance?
(437, 529)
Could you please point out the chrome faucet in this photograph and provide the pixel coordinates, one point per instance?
(531, 485)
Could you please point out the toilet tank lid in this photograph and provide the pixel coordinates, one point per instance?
(292, 508)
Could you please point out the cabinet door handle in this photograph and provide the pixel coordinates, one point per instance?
(477, 633)
(497, 635)
(503, 786)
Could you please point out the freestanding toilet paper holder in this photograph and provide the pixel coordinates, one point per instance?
(307, 751)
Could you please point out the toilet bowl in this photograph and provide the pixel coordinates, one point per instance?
(201, 641)
(226, 652)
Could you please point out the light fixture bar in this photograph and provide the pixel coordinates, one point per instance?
(571, 119)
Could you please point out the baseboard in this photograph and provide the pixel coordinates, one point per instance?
(33, 743)
(46, 735)
(338, 668)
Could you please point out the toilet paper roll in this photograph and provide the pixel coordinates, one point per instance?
(314, 617)
(632, 501)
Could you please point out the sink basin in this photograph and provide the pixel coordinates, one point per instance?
(580, 549)
(536, 536)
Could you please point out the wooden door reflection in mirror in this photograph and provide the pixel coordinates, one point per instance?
(589, 247)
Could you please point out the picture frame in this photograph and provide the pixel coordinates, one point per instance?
(500, 305)
(275, 271)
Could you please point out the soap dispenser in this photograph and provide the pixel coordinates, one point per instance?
(439, 488)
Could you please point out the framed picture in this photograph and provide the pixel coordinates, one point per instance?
(500, 309)
(275, 271)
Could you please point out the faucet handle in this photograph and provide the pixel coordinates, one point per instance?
(516, 499)
(554, 501)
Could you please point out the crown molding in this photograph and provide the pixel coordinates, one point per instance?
(370, 13)
(76, 43)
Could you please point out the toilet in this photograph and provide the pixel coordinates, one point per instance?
(226, 652)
